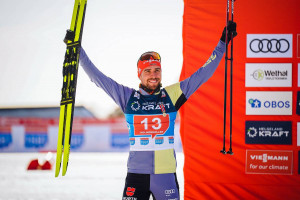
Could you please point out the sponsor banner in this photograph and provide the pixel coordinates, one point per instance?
(77, 141)
(269, 45)
(269, 103)
(298, 133)
(269, 162)
(298, 74)
(120, 140)
(269, 132)
(5, 136)
(268, 75)
(36, 136)
(298, 162)
(298, 103)
(298, 46)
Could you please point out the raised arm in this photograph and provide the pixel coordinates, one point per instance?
(119, 93)
(191, 84)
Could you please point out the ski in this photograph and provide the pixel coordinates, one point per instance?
(70, 71)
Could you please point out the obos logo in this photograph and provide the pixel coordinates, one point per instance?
(255, 103)
(269, 103)
(269, 45)
(268, 132)
(268, 75)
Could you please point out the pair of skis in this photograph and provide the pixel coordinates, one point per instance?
(225, 87)
(70, 70)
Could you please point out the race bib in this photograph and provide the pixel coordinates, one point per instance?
(151, 125)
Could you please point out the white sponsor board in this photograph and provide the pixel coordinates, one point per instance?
(269, 45)
(298, 133)
(269, 103)
(268, 75)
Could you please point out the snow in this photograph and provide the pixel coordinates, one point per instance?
(96, 176)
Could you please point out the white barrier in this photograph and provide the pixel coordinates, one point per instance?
(87, 138)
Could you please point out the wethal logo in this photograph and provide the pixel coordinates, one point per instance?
(269, 132)
(269, 45)
(258, 75)
(268, 103)
(268, 75)
(269, 162)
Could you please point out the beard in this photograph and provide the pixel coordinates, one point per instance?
(151, 88)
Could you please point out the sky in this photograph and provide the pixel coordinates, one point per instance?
(116, 33)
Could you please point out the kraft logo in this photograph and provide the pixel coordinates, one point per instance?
(298, 103)
(155, 107)
(252, 132)
(269, 132)
(135, 106)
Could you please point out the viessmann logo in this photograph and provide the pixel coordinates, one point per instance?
(269, 45)
(268, 103)
(265, 157)
(268, 75)
(269, 162)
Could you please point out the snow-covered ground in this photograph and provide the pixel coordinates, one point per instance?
(97, 176)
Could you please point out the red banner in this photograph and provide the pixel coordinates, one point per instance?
(267, 33)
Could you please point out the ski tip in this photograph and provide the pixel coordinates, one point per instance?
(56, 172)
(64, 172)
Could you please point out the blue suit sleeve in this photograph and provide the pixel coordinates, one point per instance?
(191, 84)
(119, 93)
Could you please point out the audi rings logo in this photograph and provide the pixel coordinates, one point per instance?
(272, 45)
(269, 45)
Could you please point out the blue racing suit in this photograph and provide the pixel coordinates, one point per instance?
(150, 120)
